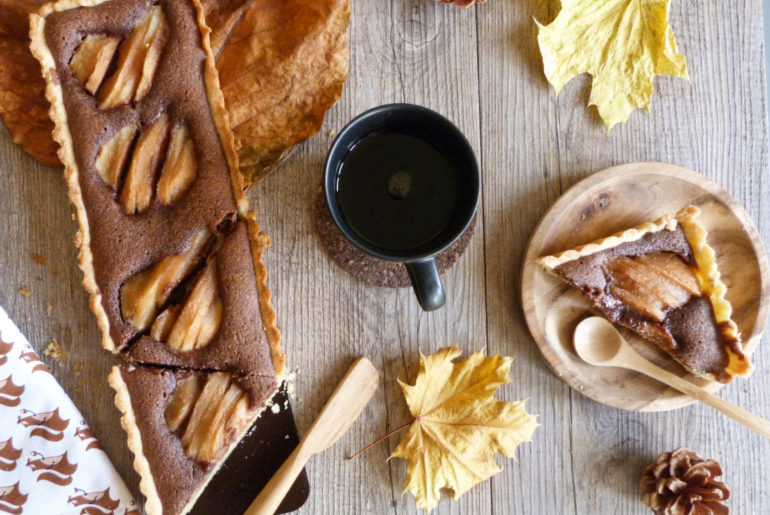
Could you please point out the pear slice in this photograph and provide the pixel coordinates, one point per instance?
(143, 295)
(91, 60)
(201, 315)
(652, 284)
(193, 325)
(138, 58)
(239, 416)
(180, 168)
(205, 412)
(674, 269)
(157, 34)
(182, 401)
(163, 323)
(111, 158)
(213, 441)
(139, 185)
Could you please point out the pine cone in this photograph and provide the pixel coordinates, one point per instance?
(682, 483)
(462, 3)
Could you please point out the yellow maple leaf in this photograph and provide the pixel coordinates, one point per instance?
(623, 44)
(459, 425)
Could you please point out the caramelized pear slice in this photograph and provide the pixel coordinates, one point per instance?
(157, 34)
(111, 158)
(91, 60)
(180, 168)
(201, 315)
(672, 267)
(652, 284)
(214, 441)
(143, 295)
(138, 58)
(139, 185)
(205, 412)
(182, 401)
(238, 417)
(163, 323)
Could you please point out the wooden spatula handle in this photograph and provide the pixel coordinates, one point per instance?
(347, 401)
(275, 490)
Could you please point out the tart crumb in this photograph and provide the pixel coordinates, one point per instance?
(25, 291)
(54, 350)
(37, 258)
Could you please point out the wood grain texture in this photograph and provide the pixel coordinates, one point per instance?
(481, 68)
(611, 201)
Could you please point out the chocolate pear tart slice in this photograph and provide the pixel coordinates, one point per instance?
(182, 425)
(661, 280)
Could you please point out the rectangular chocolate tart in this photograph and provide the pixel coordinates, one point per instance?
(170, 255)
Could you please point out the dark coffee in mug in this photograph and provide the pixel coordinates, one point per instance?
(402, 184)
(397, 191)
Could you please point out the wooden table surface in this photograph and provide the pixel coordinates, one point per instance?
(481, 68)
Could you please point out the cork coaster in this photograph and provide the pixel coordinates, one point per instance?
(369, 269)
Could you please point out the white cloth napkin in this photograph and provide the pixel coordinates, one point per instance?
(50, 462)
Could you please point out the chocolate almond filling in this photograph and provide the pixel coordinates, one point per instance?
(696, 337)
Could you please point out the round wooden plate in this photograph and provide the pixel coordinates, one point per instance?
(613, 200)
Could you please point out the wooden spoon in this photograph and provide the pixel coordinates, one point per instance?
(599, 343)
(349, 399)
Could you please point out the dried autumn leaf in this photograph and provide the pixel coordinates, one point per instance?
(459, 425)
(221, 17)
(23, 105)
(623, 44)
(267, 50)
(282, 68)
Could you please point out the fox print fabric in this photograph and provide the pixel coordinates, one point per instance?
(50, 461)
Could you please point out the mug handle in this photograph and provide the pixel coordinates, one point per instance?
(426, 283)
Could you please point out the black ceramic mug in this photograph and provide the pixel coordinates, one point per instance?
(402, 184)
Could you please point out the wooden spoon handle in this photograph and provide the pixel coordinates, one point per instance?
(275, 490)
(745, 417)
